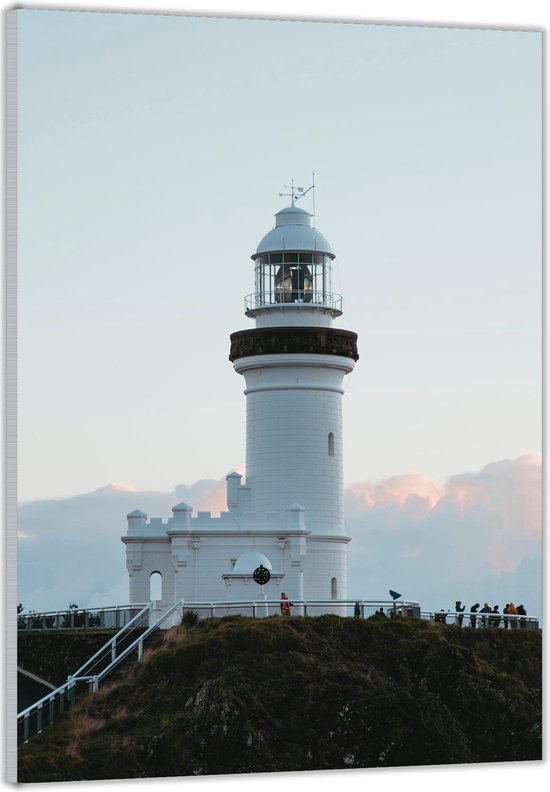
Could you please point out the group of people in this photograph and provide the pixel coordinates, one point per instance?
(491, 617)
(488, 617)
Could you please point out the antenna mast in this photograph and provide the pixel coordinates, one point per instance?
(298, 192)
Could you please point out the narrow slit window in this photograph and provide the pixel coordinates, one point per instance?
(334, 589)
(330, 444)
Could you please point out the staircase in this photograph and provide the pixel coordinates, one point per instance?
(126, 645)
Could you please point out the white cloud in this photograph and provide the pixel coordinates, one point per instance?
(476, 537)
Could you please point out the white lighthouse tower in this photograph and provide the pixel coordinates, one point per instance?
(289, 511)
(294, 362)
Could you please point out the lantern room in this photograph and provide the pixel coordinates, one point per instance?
(293, 266)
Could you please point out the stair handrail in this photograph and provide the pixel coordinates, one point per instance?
(138, 643)
(50, 696)
(112, 642)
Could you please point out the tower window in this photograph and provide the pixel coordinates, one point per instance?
(330, 444)
(333, 589)
(155, 586)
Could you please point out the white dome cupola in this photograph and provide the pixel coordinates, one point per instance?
(293, 231)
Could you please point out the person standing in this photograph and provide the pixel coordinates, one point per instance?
(522, 612)
(357, 610)
(485, 609)
(285, 605)
(494, 620)
(513, 612)
(505, 619)
(473, 614)
(459, 608)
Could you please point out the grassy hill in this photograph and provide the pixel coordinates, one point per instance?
(238, 695)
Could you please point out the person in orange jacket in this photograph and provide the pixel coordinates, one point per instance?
(285, 605)
(513, 611)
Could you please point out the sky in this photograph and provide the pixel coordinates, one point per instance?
(152, 150)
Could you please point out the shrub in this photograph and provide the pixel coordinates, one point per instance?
(189, 618)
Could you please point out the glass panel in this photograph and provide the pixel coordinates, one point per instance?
(307, 257)
(292, 283)
(276, 258)
(291, 257)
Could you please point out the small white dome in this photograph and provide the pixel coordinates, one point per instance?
(293, 231)
(248, 562)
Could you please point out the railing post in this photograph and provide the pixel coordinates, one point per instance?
(113, 650)
(26, 727)
(140, 650)
(39, 719)
(254, 609)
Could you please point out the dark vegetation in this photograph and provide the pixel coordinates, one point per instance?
(238, 695)
(53, 656)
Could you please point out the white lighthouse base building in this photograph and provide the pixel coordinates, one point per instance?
(207, 559)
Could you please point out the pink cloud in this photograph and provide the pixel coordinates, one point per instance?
(501, 504)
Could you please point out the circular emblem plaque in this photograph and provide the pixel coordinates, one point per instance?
(261, 575)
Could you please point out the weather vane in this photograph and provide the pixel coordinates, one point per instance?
(298, 192)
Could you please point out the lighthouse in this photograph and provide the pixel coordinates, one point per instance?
(289, 510)
(294, 362)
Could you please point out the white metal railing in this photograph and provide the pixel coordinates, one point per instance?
(269, 607)
(477, 619)
(32, 720)
(109, 650)
(138, 643)
(111, 617)
(279, 297)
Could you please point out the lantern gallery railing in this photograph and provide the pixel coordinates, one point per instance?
(280, 297)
